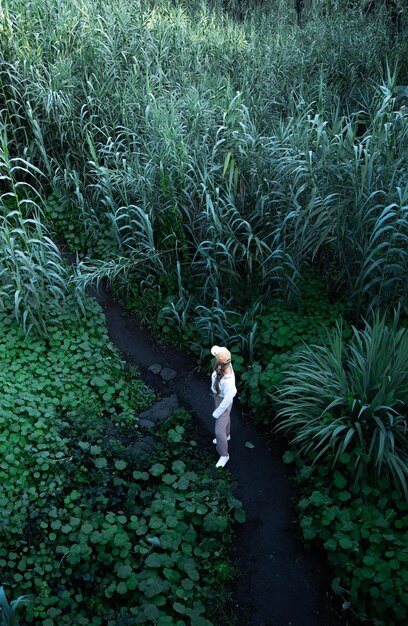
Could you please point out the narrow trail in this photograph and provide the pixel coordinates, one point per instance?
(281, 584)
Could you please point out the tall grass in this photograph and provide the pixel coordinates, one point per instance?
(239, 152)
(34, 280)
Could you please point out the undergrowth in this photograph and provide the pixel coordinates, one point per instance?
(93, 533)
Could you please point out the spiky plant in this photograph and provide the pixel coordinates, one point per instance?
(8, 612)
(351, 397)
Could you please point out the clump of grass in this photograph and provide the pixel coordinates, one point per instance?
(34, 280)
(349, 397)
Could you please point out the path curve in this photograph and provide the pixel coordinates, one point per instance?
(281, 583)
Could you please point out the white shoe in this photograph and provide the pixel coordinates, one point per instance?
(228, 438)
(222, 461)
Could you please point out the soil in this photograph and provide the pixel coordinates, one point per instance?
(280, 582)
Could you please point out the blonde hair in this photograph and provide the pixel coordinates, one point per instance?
(219, 368)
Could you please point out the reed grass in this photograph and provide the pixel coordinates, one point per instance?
(34, 280)
(242, 151)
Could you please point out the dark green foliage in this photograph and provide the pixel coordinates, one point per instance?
(280, 334)
(66, 223)
(352, 395)
(365, 536)
(280, 330)
(75, 373)
(97, 536)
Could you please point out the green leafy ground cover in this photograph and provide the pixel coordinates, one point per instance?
(365, 536)
(95, 537)
(280, 334)
(343, 404)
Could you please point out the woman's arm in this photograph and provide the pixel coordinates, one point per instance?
(229, 393)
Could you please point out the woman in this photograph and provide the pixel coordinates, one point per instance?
(224, 390)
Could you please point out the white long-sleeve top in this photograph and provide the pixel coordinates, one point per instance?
(227, 391)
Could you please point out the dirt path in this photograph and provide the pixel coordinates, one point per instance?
(281, 583)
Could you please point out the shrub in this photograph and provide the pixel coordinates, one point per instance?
(351, 396)
(280, 333)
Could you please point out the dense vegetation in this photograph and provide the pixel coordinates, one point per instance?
(237, 170)
(91, 533)
(365, 534)
(218, 159)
